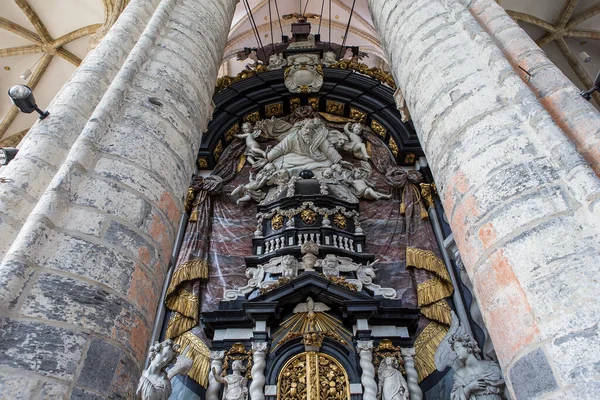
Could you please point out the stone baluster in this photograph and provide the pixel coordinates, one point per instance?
(412, 377)
(351, 245)
(257, 386)
(365, 351)
(216, 362)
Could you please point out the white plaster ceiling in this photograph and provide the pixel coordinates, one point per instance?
(63, 16)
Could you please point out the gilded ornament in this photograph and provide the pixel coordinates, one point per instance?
(230, 134)
(341, 280)
(387, 349)
(409, 159)
(313, 339)
(202, 162)
(375, 73)
(241, 163)
(314, 103)
(218, 150)
(333, 107)
(340, 221)
(358, 116)
(277, 222)
(378, 128)
(274, 110)
(308, 216)
(394, 147)
(427, 193)
(273, 286)
(253, 117)
(294, 103)
(238, 352)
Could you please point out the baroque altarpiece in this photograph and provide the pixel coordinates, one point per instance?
(313, 265)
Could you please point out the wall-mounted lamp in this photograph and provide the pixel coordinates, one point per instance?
(587, 94)
(7, 154)
(22, 97)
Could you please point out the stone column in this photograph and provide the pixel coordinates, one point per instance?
(412, 377)
(216, 362)
(47, 144)
(257, 385)
(577, 117)
(521, 201)
(367, 378)
(79, 286)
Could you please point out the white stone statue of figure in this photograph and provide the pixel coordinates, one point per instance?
(305, 147)
(155, 382)
(236, 384)
(253, 149)
(252, 190)
(329, 58)
(358, 181)
(474, 378)
(392, 385)
(276, 61)
(355, 146)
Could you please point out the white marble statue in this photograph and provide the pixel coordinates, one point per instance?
(474, 378)
(305, 147)
(329, 58)
(355, 145)
(253, 149)
(236, 384)
(276, 61)
(360, 184)
(311, 309)
(392, 385)
(252, 189)
(155, 382)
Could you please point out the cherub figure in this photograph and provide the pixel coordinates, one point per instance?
(361, 186)
(253, 149)
(252, 189)
(276, 61)
(355, 144)
(329, 58)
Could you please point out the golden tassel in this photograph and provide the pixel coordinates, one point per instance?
(402, 203)
(438, 311)
(425, 348)
(200, 355)
(189, 270)
(179, 324)
(183, 302)
(424, 213)
(427, 260)
(432, 290)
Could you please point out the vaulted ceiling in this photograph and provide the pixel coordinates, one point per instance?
(51, 38)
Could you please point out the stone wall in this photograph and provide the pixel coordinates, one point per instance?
(79, 287)
(522, 202)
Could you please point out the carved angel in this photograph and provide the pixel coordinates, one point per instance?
(252, 189)
(252, 147)
(361, 186)
(474, 378)
(276, 61)
(310, 307)
(355, 144)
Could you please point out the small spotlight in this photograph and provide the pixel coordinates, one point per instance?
(587, 94)
(7, 154)
(25, 74)
(22, 97)
(585, 57)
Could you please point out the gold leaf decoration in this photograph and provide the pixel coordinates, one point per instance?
(340, 221)
(314, 103)
(274, 110)
(358, 116)
(308, 216)
(333, 107)
(378, 128)
(277, 222)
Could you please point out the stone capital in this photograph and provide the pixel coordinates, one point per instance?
(259, 347)
(364, 345)
(408, 352)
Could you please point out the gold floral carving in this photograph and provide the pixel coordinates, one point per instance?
(375, 73)
(277, 222)
(387, 349)
(314, 103)
(410, 158)
(358, 116)
(341, 280)
(230, 134)
(226, 81)
(274, 110)
(333, 107)
(378, 128)
(308, 216)
(313, 339)
(294, 103)
(202, 162)
(280, 282)
(313, 376)
(394, 147)
(340, 221)
(218, 150)
(253, 117)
